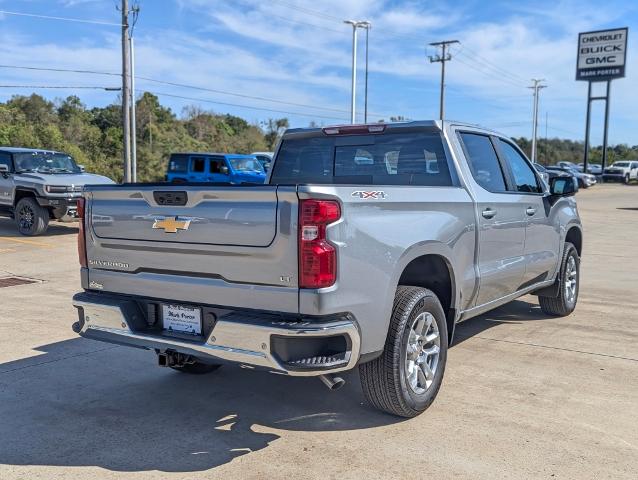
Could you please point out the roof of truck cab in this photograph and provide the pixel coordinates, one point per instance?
(27, 150)
(435, 124)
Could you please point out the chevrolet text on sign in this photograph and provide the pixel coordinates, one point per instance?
(602, 55)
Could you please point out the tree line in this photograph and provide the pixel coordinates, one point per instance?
(93, 136)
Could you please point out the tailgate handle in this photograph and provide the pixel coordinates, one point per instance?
(170, 198)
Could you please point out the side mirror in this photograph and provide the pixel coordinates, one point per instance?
(81, 167)
(563, 186)
(4, 168)
(223, 170)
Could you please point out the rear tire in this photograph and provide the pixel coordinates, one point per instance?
(197, 368)
(569, 282)
(406, 378)
(31, 219)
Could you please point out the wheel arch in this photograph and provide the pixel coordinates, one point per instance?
(22, 192)
(574, 236)
(433, 269)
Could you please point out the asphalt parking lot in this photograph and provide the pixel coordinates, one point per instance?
(525, 396)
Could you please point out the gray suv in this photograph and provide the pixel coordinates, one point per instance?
(365, 247)
(39, 185)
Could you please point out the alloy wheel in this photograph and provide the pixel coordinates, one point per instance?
(422, 353)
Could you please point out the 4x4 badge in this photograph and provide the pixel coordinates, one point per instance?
(378, 195)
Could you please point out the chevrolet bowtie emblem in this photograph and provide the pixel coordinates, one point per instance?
(171, 224)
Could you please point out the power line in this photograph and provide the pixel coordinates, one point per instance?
(307, 11)
(64, 87)
(160, 94)
(489, 73)
(65, 19)
(182, 85)
(63, 70)
(464, 48)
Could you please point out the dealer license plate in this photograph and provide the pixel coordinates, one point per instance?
(181, 319)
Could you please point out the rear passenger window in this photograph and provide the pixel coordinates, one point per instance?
(524, 176)
(198, 165)
(483, 162)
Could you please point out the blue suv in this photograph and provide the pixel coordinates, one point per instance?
(214, 167)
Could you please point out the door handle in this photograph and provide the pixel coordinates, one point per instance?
(530, 211)
(488, 213)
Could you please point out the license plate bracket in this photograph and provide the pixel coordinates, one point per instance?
(182, 319)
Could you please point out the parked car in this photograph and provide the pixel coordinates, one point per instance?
(624, 171)
(568, 165)
(265, 158)
(214, 167)
(593, 168)
(585, 180)
(37, 186)
(340, 261)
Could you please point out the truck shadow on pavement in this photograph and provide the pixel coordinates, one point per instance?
(85, 403)
(517, 311)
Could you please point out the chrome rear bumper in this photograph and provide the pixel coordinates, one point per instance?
(245, 338)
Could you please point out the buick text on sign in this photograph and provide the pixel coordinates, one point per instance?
(602, 55)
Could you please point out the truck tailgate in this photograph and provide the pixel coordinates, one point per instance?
(233, 246)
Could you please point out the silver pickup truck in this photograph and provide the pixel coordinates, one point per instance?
(364, 248)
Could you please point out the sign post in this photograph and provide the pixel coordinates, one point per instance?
(602, 56)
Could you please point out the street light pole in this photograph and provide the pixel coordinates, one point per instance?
(365, 103)
(355, 25)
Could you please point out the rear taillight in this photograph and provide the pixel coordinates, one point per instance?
(81, 233)
(317, 256)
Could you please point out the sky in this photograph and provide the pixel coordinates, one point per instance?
(292, 58)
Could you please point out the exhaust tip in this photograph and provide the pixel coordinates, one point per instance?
(332, 382)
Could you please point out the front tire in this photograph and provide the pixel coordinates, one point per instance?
(31, 219)
(569, 282)
(406, 378)
(626, 179)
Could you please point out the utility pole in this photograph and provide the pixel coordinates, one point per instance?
(536, 87)
(355, 25)
(133, 132)
(133, 114)
(365, 104)
(126, 93)
(444, 57)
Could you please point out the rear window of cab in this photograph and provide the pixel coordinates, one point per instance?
(387, 159)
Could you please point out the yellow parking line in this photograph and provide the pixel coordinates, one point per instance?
(6, 250)
(27, 242)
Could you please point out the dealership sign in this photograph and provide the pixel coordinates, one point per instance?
(602, 55)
